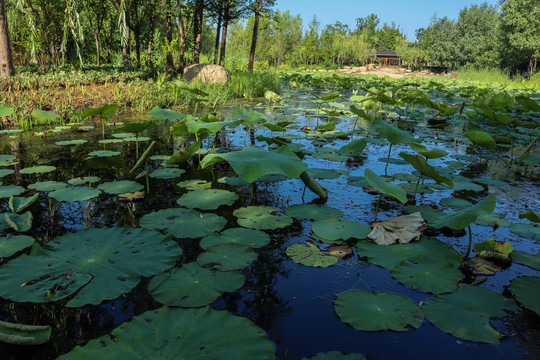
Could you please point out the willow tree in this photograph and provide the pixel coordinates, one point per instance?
(6, 61)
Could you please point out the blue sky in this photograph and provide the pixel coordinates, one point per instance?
(409, 15)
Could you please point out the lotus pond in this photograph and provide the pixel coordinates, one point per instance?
(346, 218)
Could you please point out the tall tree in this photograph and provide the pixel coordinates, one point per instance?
(96, 16)
(151, 34)
(198, 9)
(6, 61)
(258, 6)
(232, 9)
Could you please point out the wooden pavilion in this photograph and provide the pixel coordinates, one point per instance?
(389, 58)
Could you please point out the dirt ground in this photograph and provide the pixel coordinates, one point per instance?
(393, 72)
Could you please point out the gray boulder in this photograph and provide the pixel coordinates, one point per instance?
(206, 73)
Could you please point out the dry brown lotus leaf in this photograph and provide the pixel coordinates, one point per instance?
(402, 229)
(481, 266)
(131, 197)
(339, 251)
(371, 190)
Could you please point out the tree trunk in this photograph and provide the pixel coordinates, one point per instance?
(197, 29)
(224, 36)
(254, 36)
(168, 32)
(181, 39)
(151, 35)
(218, 31)
(6, 61)
(98, 49)
(138, 47)
(126, 51)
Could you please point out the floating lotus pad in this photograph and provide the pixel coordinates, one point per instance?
(134, 138)
(47, 186)
(8, 160)
(10, 190)
(193, 286)
(104, 153)
(261, 218)
(530, 231)
(100, 261)
(358, 181)
(376, 311)
(524, 258)
(207, 199)
(167, 173)
(336, 356)
(10, 244)
(123, 135)
(232, 181)
(38, 169)
(203, 334)
(455, 203)
(323, 173)
(21, 334)
(392, 255)
(195, 184)
(6, 172)
(226, 257)
(183, 223)
(19, 204)
(120, 187)
(20, 223)
(333, 230)
(240, 236)
(526, 289)
(110, 141)
(313, 212)
(428, 275)
(71, 142)
(84, 180)
(465, 313)
(310, 255)
(75, 193)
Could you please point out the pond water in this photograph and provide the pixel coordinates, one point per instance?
(291, 302)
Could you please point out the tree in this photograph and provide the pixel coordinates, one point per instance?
(6, 62)
(96, 15)
(232, 9)
(198, 9)
(258, 6)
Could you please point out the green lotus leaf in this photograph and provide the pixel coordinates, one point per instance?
(526, 289)
(251, 163)
(392, 255)
(6, 172)
(46, 186)
(482, 139)
(227, 257)
(313, 212)
(524, 258)
(323, 173)
(463, 218)
(391, 133)
(411, 188)
(420, 164)
(184, 154)
(405, 177)
(313, 185)
(241, 236)
(20, 223)
(76, 193)
(261, 218)
(193, 286)
(19, 204)
(20, 334)
(136, 127)
(493, 182)
(135, 139)
(6, 110)
(434, 153)
(10, 190)
(110, 141)
(465, 184)
(84, 180)
(183, 223)
(335, 356)
(310, 255)
(10, 244)
(92, 265)
(355, 147)
(251, 117)
(530, 231)
(232, 181)
(86, 128)
(376, 311)
(167, 173)
(104, 153)
(120, 187)
(465, 313)
(44, 116)
(194, 126)
(123, 135)
(455, 203)
(358, 181)
(493, 250)
(194, 334)
(531, 215)
(163, 114)
(530, 159)
(71, 142)
(7, 160)
(384, 187)
(426, 274)
(334, 230)
(428, 213)
(207, 199)
(195, 184)
(492, 220)
(38, 169)
(331, 157)
(107, 111)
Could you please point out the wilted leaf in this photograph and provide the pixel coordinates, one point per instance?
(481, 266)
(494, 250)
(402, 229)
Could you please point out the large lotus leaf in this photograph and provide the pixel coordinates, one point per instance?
(7, 160)
(482, 139)
(251, 163)
(310, 255)
(160, 113)
(21, 334)
(376, 311)
(76, 193)
(19, 204)
(104, 153)
(323, 173)
(332, 230)
(136, 127)
(107, 111)
(71, 142)
(193, 286)
(194, 126)
(251, 117)
(428, 275)
(428, 213)
(10, 190)
(120, 187)
(420, 164)
(461, 183)
(10, 244)
(6, 172)
(47, 186)
(167, 173)
(391, 133)
(207, 199)
(524, 258)
(38, 169)
(226, 257)
(390, 256)
(531, 215)
(526, 289)
(240, 236)
(402, 229)
(355, 147)
(384, 187)
(336, 356)
(84, 180)
(20, 223)
(261, 218)
(455, 203)
(44, 116)
(8, 110)
(183, 223)
(313, 212)
(531, 231)
(434, 153)
(463, 218)
(177, 333)
(101, 264)
(465, 313)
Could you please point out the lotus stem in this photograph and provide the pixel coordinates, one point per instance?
(387, 160)
(147, 178)
(416, 189)
(353, 128)
(377, 208)
(137, 144)
(470, 243)
(252, 189)
(103, 128)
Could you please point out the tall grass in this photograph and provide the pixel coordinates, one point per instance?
(486, 75)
